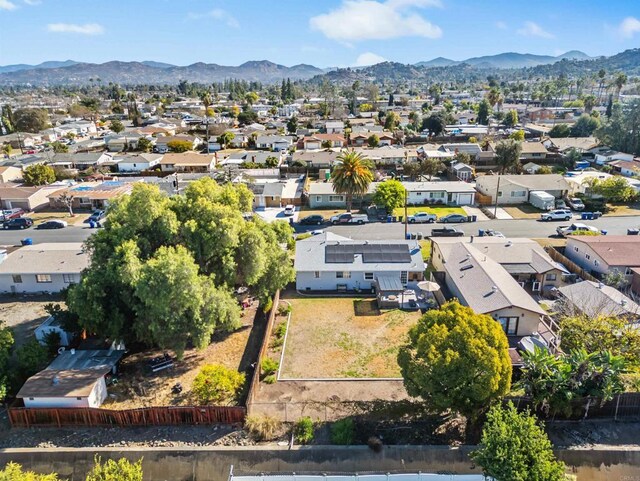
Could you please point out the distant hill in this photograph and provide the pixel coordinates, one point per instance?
(23, 66)
(154, 73)
(506, 60)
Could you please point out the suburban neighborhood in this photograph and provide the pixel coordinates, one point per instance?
(407, 268)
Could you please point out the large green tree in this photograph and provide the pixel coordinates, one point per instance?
(484, 111)
(456, 359)
(390, 194)
(614, 189)
(352, 175)
(514, 447)
(30, 120)
(193, 249)
(508, 155)
(39, 174)
(6, 344)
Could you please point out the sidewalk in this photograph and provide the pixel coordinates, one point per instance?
(470, 210)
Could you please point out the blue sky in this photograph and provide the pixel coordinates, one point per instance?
(323, 33)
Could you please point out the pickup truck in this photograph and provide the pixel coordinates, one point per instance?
(422, 218)
(446, 232)
(349, 219)
(565, 230)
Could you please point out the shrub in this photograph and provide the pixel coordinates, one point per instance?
(112, 470)
(52, 342)
(281, 330)
(267, 305)
(269, 366)
(304, 236)
(262, 427)
(303, 430)
(216, 383)
(283, 310)
(343, 432)
(375, 444)
(270, 379)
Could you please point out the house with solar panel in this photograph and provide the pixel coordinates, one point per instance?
(329, 262)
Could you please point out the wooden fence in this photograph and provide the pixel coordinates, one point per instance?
(572, 266)
(21, 417)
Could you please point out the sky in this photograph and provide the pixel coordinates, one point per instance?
(324, 33)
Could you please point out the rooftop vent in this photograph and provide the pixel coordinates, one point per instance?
(56, 380)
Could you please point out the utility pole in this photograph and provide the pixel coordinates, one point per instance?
(406, 220)
(495, 209)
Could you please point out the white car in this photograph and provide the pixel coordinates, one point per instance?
(289, 210)
(575, 203)
(422, 218)
(566, 230)
(558, 214)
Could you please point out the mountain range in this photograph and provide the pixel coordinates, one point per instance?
(506, 60)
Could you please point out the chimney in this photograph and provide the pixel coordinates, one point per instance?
(600, 285)
(494, 289)
(56, 380)
(72, 351)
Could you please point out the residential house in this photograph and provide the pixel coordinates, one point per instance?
(465, 147)
(334, 127)
(333, 263)
(162, 143)
(628, 168)
(481, 283)
(602, 255)
(452, 193)
(65, 389)
(276, 193)
(429, 151)
(14, 196)
(137, 162)
(120, 142)
(594, 299)
(321, 195)
(580, 182)
(515, 189)
(90, 195)
(564, 144)
(604, 157)
(315, 158)
(274, 142)
(251, 156)
(533, 151)
(318, 141)
(42, 268)
(461, 171)
(188, 162)
(80, 161)
(9, 173)
(536, 114)
(393, 156)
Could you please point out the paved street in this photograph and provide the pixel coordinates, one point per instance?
(373, 231)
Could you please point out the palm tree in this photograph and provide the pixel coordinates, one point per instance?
(619, 82)
(352, 175)
(508, 155)
(602, 73)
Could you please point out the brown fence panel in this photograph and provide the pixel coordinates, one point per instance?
(572, 266)
(162, 415)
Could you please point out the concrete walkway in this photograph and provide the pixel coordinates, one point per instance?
(470, 210)
(502, 214)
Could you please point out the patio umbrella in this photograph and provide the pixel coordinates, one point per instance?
(428, 286)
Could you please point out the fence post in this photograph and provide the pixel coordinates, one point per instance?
(615, 416)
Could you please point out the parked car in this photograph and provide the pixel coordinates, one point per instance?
(349, 218)
(96, 216)
(446, 232)
(52, 224)
(575, 203)
(565, 230)
(558, 214)
(289, 210)
(19, 223)
(12, 214)
(312, 220)
(453, 218)
(561, 204)
(491, 233)
(422, 218)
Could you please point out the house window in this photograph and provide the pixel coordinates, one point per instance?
(336, 198)
(69, 278)
(509, 325)
(596, 263)
(343, 275)
(43, 278)
(368, 276)
(347, 275)
(79, 398)
(627, 271)
(551, 277)
(499, 193)
(576, 249)
(519, 193)
(316, 275)
(318, 198)
(403, 277)
(419, 194)
(587, 256)
(17, 279)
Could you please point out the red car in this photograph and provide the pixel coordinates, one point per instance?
(11, 214)
(30, 152)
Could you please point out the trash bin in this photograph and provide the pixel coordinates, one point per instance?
(419, 235)
(586, 215)
(27, 241)
(400, 217)
(413, 236)
(474, 218)
(408, 236)
(480, 232)
(394, 219)
(469, 218)
(633, 231)
(388, 218)
(603, 232)
(597, 215)
(92, 224)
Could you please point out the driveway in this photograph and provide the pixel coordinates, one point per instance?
(271, 214)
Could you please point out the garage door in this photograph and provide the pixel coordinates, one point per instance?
(465, 199)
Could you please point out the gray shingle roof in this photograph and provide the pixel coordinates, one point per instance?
(595, 299)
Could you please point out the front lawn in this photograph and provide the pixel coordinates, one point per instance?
(440, 211)
(344, 338)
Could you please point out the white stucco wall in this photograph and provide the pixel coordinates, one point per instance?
(30, 285)
(329, 282)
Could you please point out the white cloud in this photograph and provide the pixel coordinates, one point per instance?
(32, 2)
(532, 29)
(356, 20)
(7, 5)
(629, 27)
(501, 25)
(217, 14)
(85, 29)
(369, 58)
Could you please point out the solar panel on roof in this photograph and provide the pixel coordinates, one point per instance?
(371, 253)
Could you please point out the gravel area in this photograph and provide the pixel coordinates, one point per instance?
(24, 314)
